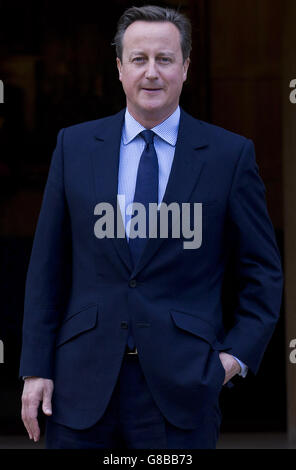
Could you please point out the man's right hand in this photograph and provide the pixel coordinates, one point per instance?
(35, 390)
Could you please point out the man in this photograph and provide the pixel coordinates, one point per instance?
(123, 337)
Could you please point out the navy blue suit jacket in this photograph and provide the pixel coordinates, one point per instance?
(80, 300)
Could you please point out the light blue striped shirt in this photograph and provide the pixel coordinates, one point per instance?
(131, 149)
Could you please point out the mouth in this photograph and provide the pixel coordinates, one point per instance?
(152, 90)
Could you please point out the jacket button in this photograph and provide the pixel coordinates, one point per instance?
(124, 324)
(132, 283)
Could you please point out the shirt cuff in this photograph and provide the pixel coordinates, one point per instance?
(244, 369)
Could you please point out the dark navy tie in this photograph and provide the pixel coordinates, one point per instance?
(146, 191)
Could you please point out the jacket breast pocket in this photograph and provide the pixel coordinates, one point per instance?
(80, 322)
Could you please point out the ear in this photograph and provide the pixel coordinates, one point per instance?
(185, 68)
(119, 67)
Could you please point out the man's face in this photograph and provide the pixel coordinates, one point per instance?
(152, 70)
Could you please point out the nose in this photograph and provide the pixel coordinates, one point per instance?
(151, 70)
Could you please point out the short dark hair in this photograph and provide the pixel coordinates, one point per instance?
(154, 13)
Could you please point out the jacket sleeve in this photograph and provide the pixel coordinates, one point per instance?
(258, 264)
(49, 274)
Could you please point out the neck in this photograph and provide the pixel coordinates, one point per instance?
(150, 120)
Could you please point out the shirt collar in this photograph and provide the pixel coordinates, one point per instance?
(166, 130)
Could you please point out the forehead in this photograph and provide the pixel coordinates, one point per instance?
(146, 34)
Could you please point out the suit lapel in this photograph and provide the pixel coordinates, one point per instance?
(185, 172)
(106, 164)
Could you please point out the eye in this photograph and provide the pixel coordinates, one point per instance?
(164, 60)
(138, 60)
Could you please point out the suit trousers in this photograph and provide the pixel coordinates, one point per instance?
(132, 420)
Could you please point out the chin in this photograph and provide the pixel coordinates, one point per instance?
(152, 108)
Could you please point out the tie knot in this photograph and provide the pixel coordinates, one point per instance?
(148, 136)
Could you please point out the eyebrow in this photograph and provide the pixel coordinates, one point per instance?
(162, 53)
